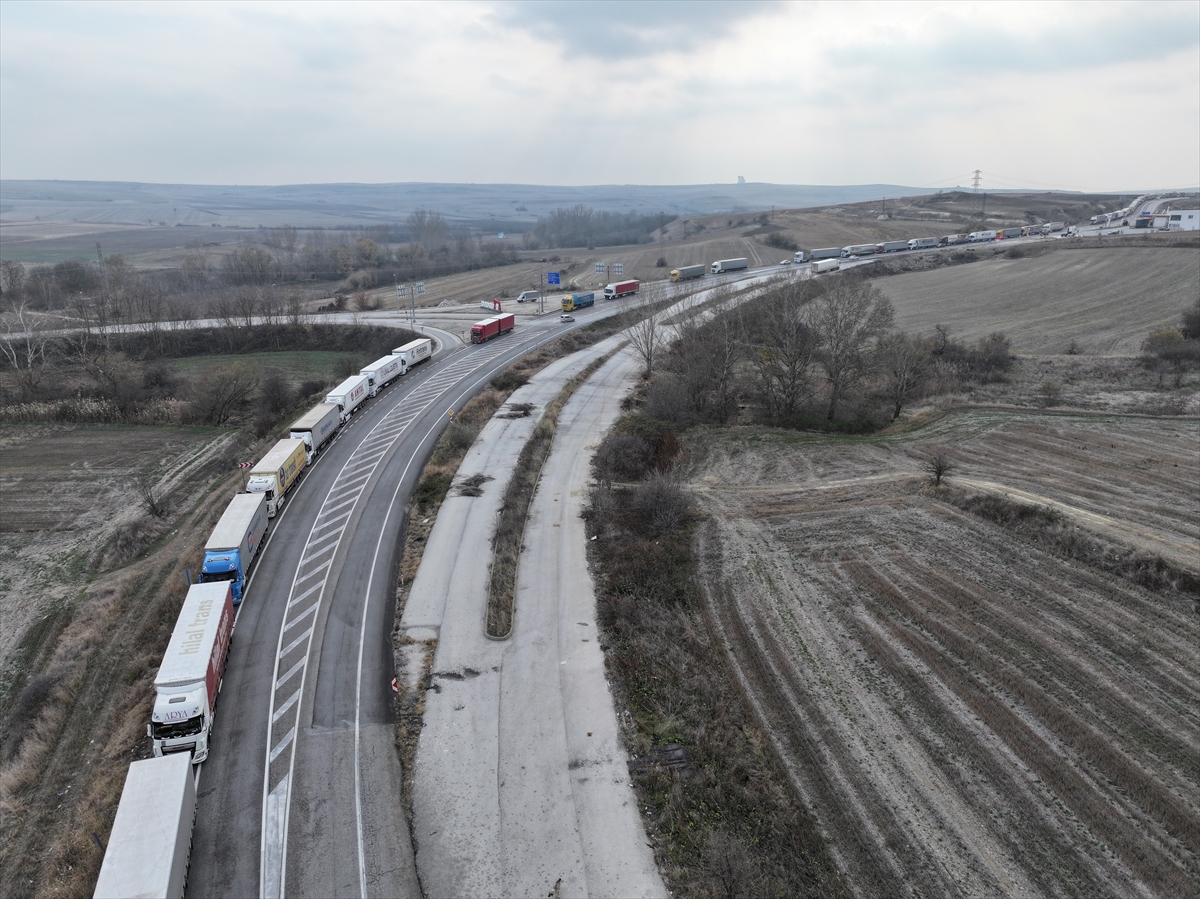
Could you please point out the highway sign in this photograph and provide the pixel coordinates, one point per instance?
(618, 268)
(552, 278)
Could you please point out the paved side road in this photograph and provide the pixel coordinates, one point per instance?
(521, 782)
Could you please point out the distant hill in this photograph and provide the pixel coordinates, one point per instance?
(502, 206)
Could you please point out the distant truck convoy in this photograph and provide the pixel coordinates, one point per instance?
(151, 841)
(826, 253)
(415, 352)
(861, 249)
(350, 394)
(316, 428)
(923, 243)
(492, 327)
(825, 265)
(382, 372)
(688, 272)
(573, 301)
(234, 542)
(278, 470)
(729, 265)
(621, 289)
(189, 677)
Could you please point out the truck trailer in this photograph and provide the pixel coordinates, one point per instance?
(891, 246)
(688, 272)
(923, 243)
(278, 470)
(825, 265)
(234, 542)
(492, 327)
(621, 289)
(860, 249)
(316, 428)
(729, 265)
(151, 841)
(414, 352)
(350, 394)
(977, 236)
(826, 253)
(382, 372)
(573, 301)
(189, 677)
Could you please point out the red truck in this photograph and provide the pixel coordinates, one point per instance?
(492, 327)
(621, 289)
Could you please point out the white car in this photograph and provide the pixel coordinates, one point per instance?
(566, 318)
(785, 262)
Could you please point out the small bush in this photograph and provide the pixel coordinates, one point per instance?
(509, 380)
(661, 262)
(432, 490)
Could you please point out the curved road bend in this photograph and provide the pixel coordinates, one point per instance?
(301, 791)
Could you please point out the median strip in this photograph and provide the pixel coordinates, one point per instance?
(510, 524)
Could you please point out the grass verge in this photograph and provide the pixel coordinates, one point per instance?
(716, 800)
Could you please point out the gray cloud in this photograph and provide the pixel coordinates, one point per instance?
(628, 29)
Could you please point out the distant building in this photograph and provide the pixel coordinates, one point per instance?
(1183, 220)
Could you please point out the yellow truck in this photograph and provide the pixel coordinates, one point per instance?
(277, 472)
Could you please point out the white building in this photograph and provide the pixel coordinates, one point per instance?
(1183, 220)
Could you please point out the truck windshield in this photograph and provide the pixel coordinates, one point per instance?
(213, 577)
(178, 728)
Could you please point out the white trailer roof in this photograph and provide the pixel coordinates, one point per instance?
(315, 416)
(141, 856)
(347, 385)
(187, 655)
(235, 520)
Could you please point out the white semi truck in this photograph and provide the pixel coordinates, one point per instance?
(151, 840)
(350, 394)
(317, 427)
(729, 265)
(382, 372)
(189, 677)
(825, 265)
(415, 352)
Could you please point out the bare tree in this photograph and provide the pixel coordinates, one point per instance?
(782, 347)
(903, 362)
(938, 465)
(219, 393)
(644, 335)
(846, 317)
(428, 229)
(154, 501)
(12, 278)
(25, 343)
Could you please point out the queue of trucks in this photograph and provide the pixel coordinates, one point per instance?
(150, 842)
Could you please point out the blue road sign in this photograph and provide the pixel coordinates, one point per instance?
(552, 278)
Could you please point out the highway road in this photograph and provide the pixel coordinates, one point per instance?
(301, 792)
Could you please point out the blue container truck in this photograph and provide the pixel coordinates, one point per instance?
(235, 541)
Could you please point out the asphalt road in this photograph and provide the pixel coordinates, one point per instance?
(301, 791)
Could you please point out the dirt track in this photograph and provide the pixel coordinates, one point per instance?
(967, 714)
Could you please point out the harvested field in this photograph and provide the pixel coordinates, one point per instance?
(70, 490)
(967, 713)
(1097, 298)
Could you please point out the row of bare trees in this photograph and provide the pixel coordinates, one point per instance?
(801, 349)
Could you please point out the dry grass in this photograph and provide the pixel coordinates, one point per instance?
(1095, 298)
(983, 707)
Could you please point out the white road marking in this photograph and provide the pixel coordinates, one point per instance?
(283, 744)
(282, 710)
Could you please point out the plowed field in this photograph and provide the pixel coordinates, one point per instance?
(966, 713)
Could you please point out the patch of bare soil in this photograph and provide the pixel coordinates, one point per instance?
(71, 507)
(966, 713)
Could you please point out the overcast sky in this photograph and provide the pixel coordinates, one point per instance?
(1083, 96)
